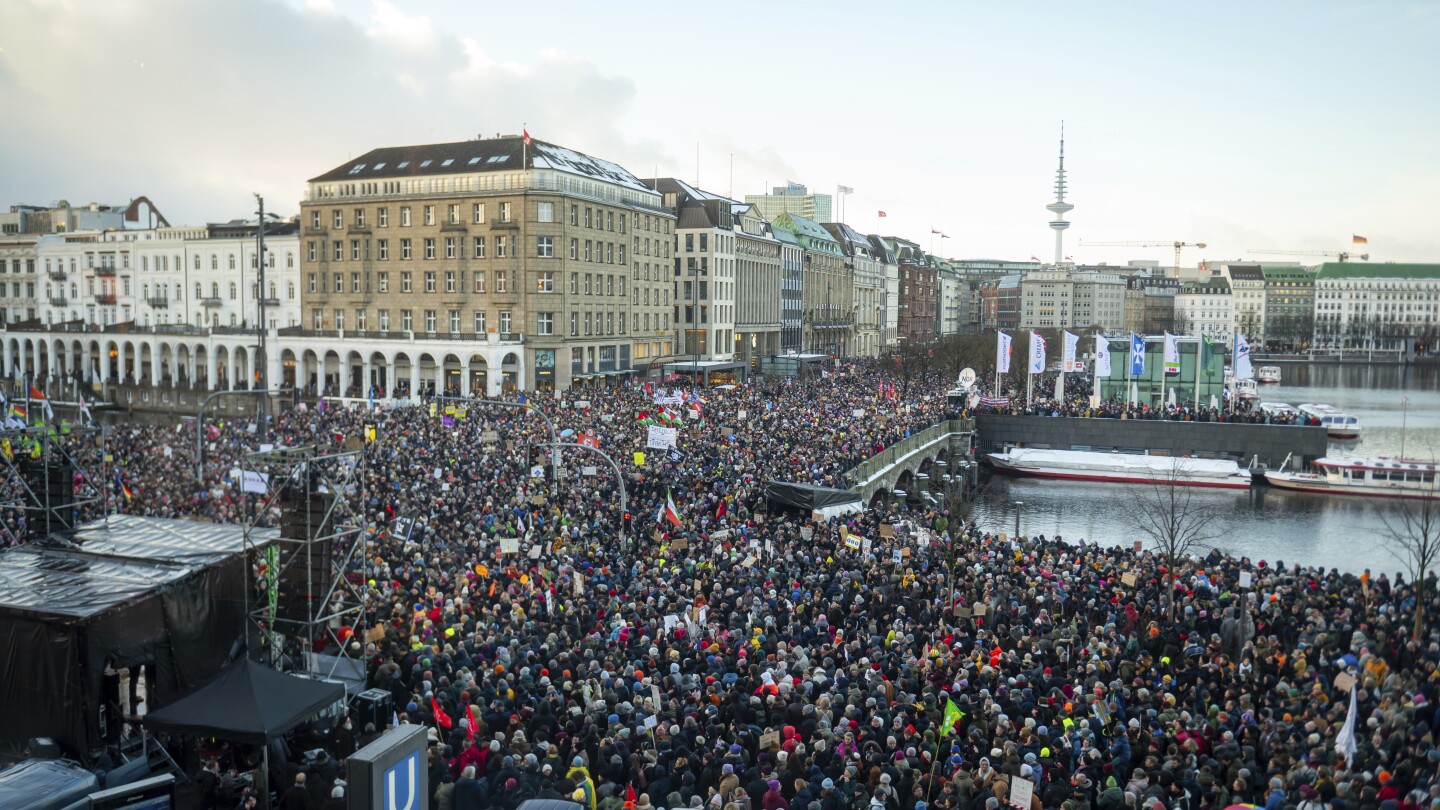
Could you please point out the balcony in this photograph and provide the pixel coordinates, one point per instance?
(105, 271)
(359, 227)
(269, 302)
(211, 302)
(105, 299)
(506, 224)
(311, 230)
(59, 301)
(454, 227)
(159, 303)
(58, 275)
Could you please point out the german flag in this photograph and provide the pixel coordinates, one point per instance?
(1359, 240)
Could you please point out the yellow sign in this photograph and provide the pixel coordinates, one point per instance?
(639, 459)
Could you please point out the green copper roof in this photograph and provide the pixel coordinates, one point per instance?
(1365, 270)
(1286, 273)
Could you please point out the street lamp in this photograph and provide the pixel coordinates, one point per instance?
(1018, 505)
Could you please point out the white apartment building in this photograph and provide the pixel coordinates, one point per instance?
(705, 261)
(1206, 308)
(1381, 306)
(1064, 299)
(18, 279)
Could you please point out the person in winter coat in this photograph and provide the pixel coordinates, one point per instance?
(1112, 798)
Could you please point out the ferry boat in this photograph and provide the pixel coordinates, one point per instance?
(1268, 375)
(1245, 391)
(1337, 423)
(1279, 412)
(1121, 468)
(1380, 477)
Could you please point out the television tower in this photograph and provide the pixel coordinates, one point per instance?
(1060, 208)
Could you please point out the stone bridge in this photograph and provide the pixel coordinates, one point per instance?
(896, 467)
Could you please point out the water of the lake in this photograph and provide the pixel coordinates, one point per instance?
(1264, 523)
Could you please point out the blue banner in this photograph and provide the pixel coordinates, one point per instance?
(1137, 355)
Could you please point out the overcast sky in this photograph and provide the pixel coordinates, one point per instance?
(1242, 125)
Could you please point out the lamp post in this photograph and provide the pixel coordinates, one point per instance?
(262, 360)
(1018, 506)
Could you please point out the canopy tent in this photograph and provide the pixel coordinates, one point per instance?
(810, 499)
(246, 703)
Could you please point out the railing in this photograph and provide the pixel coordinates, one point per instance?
(158, 303)
(105, 271)
(59, 301)
(867, 469)
(270, 302)
(512, 224)
(106, 299)
(311, 230)
(211, 302)
(58, 275)
(232, 330)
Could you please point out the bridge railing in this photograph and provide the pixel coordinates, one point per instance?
(868, 468)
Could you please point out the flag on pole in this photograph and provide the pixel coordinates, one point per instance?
(1137, 355)
(1102, 356)
(124, 490)
(525, 135)
(1172, 354)
(442, 720)
(1243, 371)
(845, 189)
(1345, 742)
(1002, 352)
(1034, 258)
(953, 715)
(470, 727)
(1037, 353)
(85, 410)
(1207, 353)
(1359, 240)
(670, 513)
(882, 213)
(1069, 363)
(39, 396)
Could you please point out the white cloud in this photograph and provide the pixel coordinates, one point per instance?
(236, 97)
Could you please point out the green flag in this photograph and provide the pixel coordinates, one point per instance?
(952, 716)
(1207, 353)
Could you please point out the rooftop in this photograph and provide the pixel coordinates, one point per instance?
(1286, 273)
(1339, 270)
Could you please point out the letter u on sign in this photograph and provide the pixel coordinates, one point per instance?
(401, 782)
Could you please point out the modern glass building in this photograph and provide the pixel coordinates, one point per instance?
(1146, 388)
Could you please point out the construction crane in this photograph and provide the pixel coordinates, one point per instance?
(1341, 255)
(1178, 246)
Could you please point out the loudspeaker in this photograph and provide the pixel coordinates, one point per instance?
(305, 560)
(373, 706)
(54, 486)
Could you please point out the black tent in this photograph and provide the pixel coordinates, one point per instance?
(809, 498)
(246, 703)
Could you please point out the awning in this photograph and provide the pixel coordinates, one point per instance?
(246, 703)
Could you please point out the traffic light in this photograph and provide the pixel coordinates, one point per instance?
(627, 521)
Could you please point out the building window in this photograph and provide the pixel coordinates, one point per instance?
(574, 214)
(405, 249)
(430, 320)
(587, 250)
(504, 212)
(452, 214)
(545, 281)
(354, 282)
(317, 320)
(360, 319)
(450, 281)
(383, 280)
(502, 281)
(404, 216)
(478, 213)
(339, 319)
(429, 220)
(500, 244)
(587, 216)
(405, 283)
(575, 324)
(355, 250)
(315, 218)
(479, 247)
(574, 249)
(545, 323)
(429, 248)
(505, 321)
(574, 283)
(587, 324)
(454, 321)
(479, 281)
(545, 212)
(359, 217)
(609, 253)
(384, 320)
(339, 284)
(337, 219)
(382, 217)
(449, 247)
(309, 248)
(383, 247)
(587, 283)
(430, 282)
(479, 322)
(545, 247)
(312, 287)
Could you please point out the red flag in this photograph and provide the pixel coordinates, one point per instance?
(630, 795)
(441, 718)
(526, 136)
(882, 213)
(1034, 258)
(36, 393)
(589, 441)
(720, 510)
(470, 710)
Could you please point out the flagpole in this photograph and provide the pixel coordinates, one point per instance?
(1129, 364)
(1199, 355)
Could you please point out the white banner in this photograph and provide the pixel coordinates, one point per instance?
(252, 481)
(1037, 353)
(1102, 356)
(1069, 363)
(1002, 352)
(1243, 371)
(1172, 354)
(660, 437)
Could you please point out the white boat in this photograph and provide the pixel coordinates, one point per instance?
(1380, 477)
(1279, 412)
(1268, 375)
(1245, 390)
(1337, 423)
(1121, 468)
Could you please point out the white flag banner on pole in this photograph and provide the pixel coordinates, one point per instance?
(1345, 742)
(1037, 353)
(1243, 371)
(1069, 362)
(1002, 353)
(1172, 354)
(1102, 356)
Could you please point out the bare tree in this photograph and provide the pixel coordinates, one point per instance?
(1412, 536)
(1175, 524)
(960, 501)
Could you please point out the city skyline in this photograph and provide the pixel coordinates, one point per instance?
(1238, 133)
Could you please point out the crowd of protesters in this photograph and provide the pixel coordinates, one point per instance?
(1039, 399)
(730, 655)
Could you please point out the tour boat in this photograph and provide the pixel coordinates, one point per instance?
(1121, 468)
(1279, 411)
(1380, 477)
(1337, 423)
(1245, 390)
(1268, 375)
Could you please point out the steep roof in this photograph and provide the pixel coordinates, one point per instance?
(1286, 273)
(1246, 272)
(1334, 270)
(484, 155)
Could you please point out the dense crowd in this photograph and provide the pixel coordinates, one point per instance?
(741, 657)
